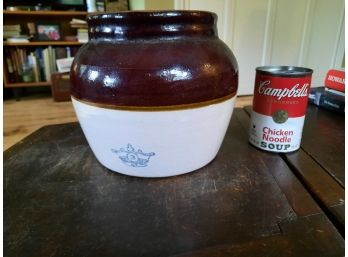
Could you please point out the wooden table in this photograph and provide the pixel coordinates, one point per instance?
(59, 201)
(319, 164)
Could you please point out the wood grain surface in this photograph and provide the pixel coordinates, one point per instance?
(291, 242)
(323, 139)
(319, 163)
(22, 118)
(60, 201)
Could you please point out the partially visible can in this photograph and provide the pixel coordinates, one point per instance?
(279, 107)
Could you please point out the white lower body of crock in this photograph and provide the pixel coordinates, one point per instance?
(155, 143)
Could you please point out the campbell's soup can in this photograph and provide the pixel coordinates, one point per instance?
(279, 107)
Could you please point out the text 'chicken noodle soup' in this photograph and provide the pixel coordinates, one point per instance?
(279, 107)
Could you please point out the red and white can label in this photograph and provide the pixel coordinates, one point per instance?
(279, 108)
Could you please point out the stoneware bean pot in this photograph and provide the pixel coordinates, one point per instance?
(154, 91)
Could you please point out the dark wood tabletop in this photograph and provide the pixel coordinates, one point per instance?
(59, 201)
(319, 164)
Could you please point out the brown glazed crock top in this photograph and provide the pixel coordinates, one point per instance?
(153, 59)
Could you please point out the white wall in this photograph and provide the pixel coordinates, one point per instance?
(151, 4)
(137, 4)
(307, 33)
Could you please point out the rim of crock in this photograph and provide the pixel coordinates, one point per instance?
(167, 14)
(161, 24)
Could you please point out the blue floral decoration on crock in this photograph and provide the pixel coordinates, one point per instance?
(133, 158)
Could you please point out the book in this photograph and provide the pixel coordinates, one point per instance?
(18, 39)
(322, 98)
(68, 51)
(52, 58)
(335, 79)
(46, 61)
(9, 34)
(15, 64)
(35, 66)
(82, 35)
(42, 62)
(22, 54)
(10, 67)
(78, 21)
(16, 27)
(79, 24)
(333, 91)
(11, 31)
(64, 64)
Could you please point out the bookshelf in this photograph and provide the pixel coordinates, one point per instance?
(62, 18)
(44, 13)
(31, 84)
(45, 43)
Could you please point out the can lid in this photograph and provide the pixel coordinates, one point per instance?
(285, 71)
